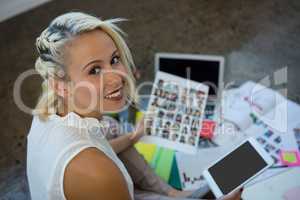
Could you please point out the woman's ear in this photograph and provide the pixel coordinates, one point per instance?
(60, 87)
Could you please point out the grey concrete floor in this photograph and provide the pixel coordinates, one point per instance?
(257, 37)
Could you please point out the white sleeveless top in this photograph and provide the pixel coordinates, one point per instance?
(52, 145)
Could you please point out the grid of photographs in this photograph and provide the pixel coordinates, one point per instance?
(272, 143)
(175, 112)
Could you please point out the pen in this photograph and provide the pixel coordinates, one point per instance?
(280, 166)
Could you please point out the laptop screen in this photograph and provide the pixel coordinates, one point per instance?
(196, 70)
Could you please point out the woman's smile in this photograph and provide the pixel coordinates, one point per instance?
(115, 94)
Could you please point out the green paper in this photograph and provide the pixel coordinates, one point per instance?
(174, 180)
(156, 157)
(289, 157)
(163, 163)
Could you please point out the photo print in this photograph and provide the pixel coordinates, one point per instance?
(175, 111)
(271, 141)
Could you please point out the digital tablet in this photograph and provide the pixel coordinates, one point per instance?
(237, 168)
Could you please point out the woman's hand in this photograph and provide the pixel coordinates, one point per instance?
(236, 195)
(125, 141)
(139, 131)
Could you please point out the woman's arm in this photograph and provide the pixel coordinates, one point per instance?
(92, 175)
(122, 142)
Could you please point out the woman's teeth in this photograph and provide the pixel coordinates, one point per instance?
(114, 95)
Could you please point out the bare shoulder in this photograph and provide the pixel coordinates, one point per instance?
(92, 175)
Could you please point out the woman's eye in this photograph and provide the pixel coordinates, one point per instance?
(115, 60)
(95, 70)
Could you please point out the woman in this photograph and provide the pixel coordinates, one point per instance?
(87, 71)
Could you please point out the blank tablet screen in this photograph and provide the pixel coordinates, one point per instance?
(237, 167)
(197, 70)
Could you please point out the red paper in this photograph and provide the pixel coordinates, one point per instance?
(208, 128)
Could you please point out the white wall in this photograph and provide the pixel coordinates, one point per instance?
(11, 8)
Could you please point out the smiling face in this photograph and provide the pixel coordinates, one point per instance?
(96, 72)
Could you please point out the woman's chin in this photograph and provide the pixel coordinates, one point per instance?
(115, 106)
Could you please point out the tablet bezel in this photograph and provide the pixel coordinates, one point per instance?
(213, 185)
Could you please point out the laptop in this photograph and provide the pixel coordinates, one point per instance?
(207, 69)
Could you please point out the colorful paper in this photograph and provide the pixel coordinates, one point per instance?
(290, 158)
(138, 116)
(174, 180)
(208, 128)
(147, 150)
(162, 163)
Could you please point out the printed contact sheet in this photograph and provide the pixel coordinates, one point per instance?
(175, 112)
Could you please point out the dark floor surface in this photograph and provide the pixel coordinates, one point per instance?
(257, 37)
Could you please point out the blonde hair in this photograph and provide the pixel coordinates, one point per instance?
(50, 46)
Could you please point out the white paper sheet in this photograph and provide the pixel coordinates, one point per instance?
(251, 97)
(274, 188)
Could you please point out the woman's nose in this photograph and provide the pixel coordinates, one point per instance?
(113, 79)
